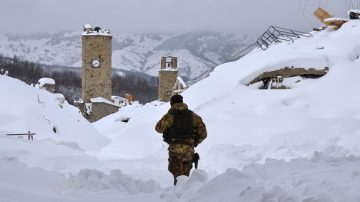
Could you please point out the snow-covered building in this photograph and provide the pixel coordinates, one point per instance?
(47, 84)
(100, 107)
(354, 14)
(119, 101)
(179, 86)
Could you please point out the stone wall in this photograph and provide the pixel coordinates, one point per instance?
(167, 79)
(100, 110)
(50, 88)
(96, 82)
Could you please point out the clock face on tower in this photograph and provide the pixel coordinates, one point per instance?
(95, 63)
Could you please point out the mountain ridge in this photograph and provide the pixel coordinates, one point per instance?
(198, 52)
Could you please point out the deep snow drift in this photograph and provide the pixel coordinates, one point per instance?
(299, 144)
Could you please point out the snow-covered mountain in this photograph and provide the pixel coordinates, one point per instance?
(198, 52)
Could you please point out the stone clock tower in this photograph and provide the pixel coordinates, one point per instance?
(96, 74)
(96, 64)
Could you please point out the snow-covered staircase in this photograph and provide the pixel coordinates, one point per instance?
(272, 35)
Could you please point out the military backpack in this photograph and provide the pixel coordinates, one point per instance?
(181, 129)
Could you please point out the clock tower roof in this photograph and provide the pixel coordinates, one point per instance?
(90, 31)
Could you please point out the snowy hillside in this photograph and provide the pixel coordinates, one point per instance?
(316, 120)
(198, 52)
(24, 108)
(293, 145)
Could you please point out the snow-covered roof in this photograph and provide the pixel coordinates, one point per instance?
(102, 100)
(48, 81)
(181, 82)
(179, 85)
(170, 69)
(118, 98)
(354, 11)
(334, 19)
(100, 33)
(87, 26)
(89, 30)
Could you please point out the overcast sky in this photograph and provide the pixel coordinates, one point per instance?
(159, 16)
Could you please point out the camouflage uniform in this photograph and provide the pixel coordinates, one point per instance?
(181, 154)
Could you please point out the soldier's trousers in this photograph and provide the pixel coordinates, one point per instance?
(180, 163)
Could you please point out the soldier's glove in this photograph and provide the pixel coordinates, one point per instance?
(165, 137)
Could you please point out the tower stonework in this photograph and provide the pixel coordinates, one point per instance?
(96, 63)
(96, 74)
(167, 78)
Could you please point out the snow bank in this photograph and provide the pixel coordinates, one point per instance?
(186, 186)
(322, 178)
(48, 154)
(139, 139)
(20, 184)
(88, 183)
(24, 108)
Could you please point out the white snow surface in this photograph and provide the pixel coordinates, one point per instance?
(24, 108)
(300, 144)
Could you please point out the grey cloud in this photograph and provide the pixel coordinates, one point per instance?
(245, 16)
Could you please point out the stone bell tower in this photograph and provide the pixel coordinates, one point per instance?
(96, 73)
(96, 63)
(167, 77)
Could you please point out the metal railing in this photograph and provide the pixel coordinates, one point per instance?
(272, 35)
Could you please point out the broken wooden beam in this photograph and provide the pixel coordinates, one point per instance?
(322, 14)
(329, 20)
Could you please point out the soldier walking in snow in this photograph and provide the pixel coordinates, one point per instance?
(183, 130)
